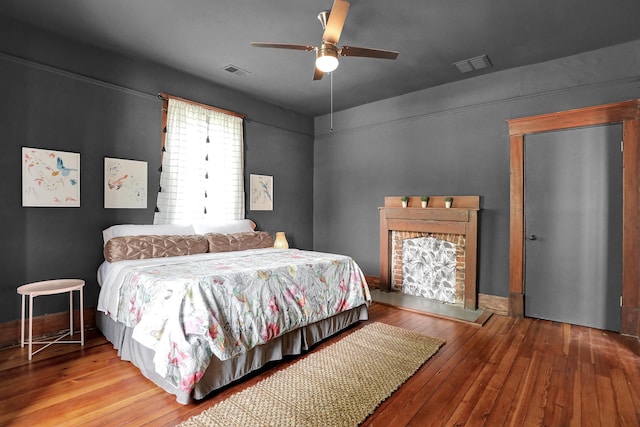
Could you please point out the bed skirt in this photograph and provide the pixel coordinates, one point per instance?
(221, 373)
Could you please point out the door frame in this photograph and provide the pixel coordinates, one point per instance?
(628, 114)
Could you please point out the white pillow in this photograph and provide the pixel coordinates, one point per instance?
(224, 227)
(146, 230)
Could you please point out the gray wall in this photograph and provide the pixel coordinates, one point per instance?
(449, 140)
(280, 153)
(62, 95)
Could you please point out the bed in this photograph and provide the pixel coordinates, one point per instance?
(196, 312)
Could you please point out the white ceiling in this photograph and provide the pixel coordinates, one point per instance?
(203, 36)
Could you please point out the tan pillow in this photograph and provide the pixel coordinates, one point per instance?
(142, 247)
(219, 242)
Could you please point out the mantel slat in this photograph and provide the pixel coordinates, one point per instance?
(425, 214)
(465, 202)
(396, 224)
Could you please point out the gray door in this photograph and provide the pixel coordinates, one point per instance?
(573, 226)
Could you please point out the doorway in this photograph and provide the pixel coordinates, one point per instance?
(628, 114)
(573, 226)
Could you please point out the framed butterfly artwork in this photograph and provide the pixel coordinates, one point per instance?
(50, 178)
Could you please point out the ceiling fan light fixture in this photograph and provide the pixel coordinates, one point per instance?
(327, 58)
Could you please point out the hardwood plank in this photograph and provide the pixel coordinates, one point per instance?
(547, 347)
(518, 411)
(589, 395)
(555, 412)
(607, 412)
(574, 385)
(566, 335)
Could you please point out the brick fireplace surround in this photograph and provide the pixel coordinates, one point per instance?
(457, 224)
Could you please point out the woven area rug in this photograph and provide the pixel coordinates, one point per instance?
(339, 385)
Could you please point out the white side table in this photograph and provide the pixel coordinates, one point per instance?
(51, 287)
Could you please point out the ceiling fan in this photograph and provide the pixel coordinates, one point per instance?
(327, 53)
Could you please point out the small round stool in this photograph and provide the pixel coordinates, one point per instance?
(51, 287)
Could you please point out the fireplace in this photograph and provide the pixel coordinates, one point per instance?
(442, 242)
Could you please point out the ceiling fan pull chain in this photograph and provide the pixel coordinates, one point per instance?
(331, 116)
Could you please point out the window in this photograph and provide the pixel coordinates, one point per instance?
(202, 173)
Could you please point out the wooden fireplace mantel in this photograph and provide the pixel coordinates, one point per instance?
(461, 218)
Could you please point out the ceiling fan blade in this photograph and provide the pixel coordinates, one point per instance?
(283, 46)
(368, 52)
(336, 21)
(317, 74)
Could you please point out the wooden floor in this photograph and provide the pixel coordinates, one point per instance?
(517, 372)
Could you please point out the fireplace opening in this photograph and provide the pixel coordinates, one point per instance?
(429, 265)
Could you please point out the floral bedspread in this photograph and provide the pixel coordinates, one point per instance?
(189, 309)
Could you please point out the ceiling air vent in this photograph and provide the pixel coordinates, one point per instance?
(473, 64)
(237, 71)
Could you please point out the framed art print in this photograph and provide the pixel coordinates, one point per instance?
(261, 193)
(50, 178)
(125, 184)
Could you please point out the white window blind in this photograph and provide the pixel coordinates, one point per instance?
(202, 168)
